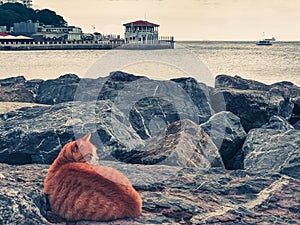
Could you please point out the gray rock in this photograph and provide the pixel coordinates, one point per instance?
(199, 94)
(254, 108)
(274, 147)
(21, 198)
(58, 90)
(182, 143)
(226, 131)
(237, 82)
(285, 88)
(36, 134)
(297, 125)
(12, 81)
(18, 89)
(170, 196)
(16, 94)
(150, 105)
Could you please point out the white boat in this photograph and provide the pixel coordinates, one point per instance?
(264, 42)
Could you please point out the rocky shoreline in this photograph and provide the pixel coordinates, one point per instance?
(227, 154)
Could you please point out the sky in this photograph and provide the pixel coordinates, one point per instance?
(186, 19)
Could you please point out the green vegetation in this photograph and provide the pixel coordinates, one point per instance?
(11, 13)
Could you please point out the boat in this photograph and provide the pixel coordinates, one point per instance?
(264, 42)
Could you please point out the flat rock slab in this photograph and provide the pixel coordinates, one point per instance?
(171, 195)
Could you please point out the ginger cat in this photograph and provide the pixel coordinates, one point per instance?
(78, 190)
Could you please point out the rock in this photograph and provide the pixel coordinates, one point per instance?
(226, 131)
(58, 90)
(237, 82)
(287, 89)
(36, 134)
(182, 143)
(18, 89)
(151, 104)
(199, 94)
(297, 125)
(254, 108)
(12, 81)
(33, 86)
(148, 104)
(16, 94)
(21, 197)
(274, 147)
(170, 196)
(6, 107)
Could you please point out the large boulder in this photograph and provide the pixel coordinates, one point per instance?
(182, 143)
(226, 131)
(199, 94)
(16, 94)
(273, 147)
(18, 89)
(58, 90)
(150, 105)
(12, 81)
(287, 89)
(237, 82)
(170, 196)
(253, 107)
(36, 134)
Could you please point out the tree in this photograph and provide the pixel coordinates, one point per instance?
(49, 17)
(11, 13)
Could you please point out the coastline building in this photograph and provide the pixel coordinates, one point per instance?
(10, 39)
(47, 32)
(3, 29)
(27, 3)
(66, 33)
(25, 28)
(142, 34)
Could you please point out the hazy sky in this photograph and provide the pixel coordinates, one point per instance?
(186, 19)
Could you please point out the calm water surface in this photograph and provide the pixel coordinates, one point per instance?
(267, 64)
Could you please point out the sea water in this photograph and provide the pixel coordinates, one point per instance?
(200, 59)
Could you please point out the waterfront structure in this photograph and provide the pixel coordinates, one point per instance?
(27, 3)
(47, 32)
(143, 34)
(25, 28)
(22, 43)
(69, 33)
(3, 28)
(10, 39)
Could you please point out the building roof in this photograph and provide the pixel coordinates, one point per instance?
(10, 37)
(141, 23)
(3, 34)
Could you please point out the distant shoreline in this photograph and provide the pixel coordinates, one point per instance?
(233, 41)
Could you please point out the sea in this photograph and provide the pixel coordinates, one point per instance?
(203, 60)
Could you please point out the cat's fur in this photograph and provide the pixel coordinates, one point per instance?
(78, 190)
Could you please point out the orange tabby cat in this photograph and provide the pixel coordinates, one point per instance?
(78, 190)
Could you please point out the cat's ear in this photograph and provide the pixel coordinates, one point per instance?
(87, 137)
(75, 147)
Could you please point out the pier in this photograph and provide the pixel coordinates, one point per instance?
(59, 45)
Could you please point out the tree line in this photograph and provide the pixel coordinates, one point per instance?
(11, 13)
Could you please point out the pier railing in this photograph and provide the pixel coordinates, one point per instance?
(163, 42)
(39, 45)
